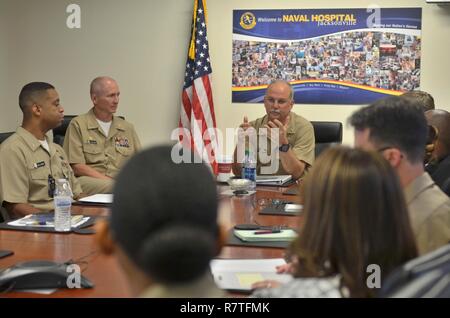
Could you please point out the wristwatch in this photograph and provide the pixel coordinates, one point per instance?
(284, 147)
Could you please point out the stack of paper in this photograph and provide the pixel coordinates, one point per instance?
(240, 274)
(273, 180)
(98, 199)
(46, 220)
(293, 208)
(253, 236)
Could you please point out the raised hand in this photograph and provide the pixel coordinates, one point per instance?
(245, 125)
(282, 130)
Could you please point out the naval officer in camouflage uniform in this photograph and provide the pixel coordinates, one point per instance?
(29, 160)
(98, 143)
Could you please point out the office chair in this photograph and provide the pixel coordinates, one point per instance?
(4, 216)
(326, 133)
(60, 131)
(5, 135)
(446, 187)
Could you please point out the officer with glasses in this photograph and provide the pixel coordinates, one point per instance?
(293, 134)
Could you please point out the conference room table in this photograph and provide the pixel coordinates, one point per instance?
(105, 272)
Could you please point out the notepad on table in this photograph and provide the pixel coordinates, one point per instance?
(46, 220)
(256, 236)
(273, 180)
(293, 208)
(241, 274)
(98, 199)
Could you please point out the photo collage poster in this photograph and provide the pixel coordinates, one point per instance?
(330, 56)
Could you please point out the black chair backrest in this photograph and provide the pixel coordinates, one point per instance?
(3, 215)
(5, 135)
(60, 131)
(326, 133)
(446, 187)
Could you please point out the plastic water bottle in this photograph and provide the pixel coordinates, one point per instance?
(249, 169)
(63, 204)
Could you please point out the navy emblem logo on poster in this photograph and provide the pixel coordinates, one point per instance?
(248, 21)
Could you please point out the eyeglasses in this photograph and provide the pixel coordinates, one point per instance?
(51, 186)
(276, 203)
(271, 101)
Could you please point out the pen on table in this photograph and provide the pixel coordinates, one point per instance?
(267, 232)
(36, 222)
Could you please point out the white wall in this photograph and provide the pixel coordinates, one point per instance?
(8, 115)
(3, 60)
(143, 44)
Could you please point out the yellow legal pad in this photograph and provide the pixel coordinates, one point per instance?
(246, 280)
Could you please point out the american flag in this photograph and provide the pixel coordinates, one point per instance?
(197, 109)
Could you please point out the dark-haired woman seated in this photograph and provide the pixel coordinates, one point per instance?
(356, 222)
(163, 226)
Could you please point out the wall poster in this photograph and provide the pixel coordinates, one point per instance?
(330, 56)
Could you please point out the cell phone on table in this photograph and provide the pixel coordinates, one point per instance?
(5, 253)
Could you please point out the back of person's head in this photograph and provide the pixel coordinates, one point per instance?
(394, 122)
(440, 119)
(425, 100)
(31, 92)
(164, 216)
(355, 215)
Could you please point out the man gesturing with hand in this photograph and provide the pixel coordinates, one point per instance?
(292, 133)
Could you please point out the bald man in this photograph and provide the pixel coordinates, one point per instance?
(295, 134)
(98, 143)
(439, 166)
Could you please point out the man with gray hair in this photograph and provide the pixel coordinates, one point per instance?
(295, 133)
(98, 143)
